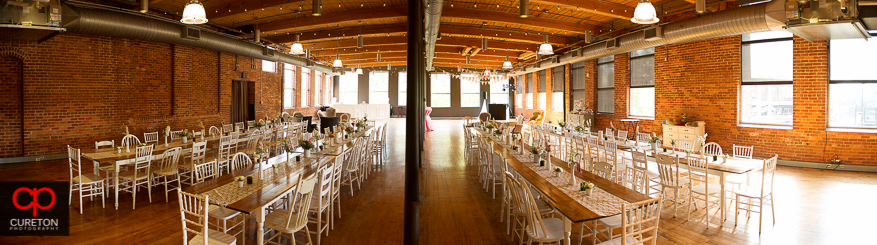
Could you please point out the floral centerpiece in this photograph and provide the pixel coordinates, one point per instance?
(557, 171)
(184, 135)
(587, 187)
(307, 145)
(655, 140)
(725, 158)
(537, 152)
(562, 125)
(119, 149)
(240, 180)
(201, 124)
(258, 125)
(580, 129)
(349, 131)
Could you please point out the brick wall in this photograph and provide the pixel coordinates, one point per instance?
(79, 89)
(702, 79)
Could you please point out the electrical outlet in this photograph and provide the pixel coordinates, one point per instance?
(827, 165)
(841, 167)
(37, 159)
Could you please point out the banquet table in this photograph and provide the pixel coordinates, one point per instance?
(253, 200)
(567, 200)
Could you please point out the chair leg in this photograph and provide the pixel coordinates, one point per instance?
(80, 199)
(149, 188)
(772, 214)
(760, 212)
(134, 202)
(736, 209)
(165, 189)
(103, 194)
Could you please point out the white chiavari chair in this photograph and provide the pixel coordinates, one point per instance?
(668, 168)
(613, 156)
(643, 139)
(150, 137)
(199, 153)
(223, 155)
(214, 131)
(88, 185)
(381, 143)
(639, 223)
(686, 145)
(517, 209)
(321, 201)
(743, 151)
(108, 169)
(235, 140)
(653, 178)
(227, 128)
(541, 229)
(193, 213)
(756, 196)
(131, 180)
(497, 169)
(622, 135)
(351, 170)
(635, 179)
(698, 168)
(167, 167)
(712, 149)
(204, 171)
(223, 215)
(288, 222)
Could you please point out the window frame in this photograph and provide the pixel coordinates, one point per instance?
(273, 66)
(432, 91)
(632, 87)
(305, 87)
(464, 93)
(290, 87)
(501, 85)
(318, 87)
(743, 84)
(372, 90)
(342, 91)
(574, 68)
(599, 89)
(829, 127)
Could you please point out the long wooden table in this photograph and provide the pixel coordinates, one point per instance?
(257, 202)
(570, 209)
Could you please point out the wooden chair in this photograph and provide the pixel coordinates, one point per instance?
(223, 155)
(336, 187)
(88, 185)
(321, 202)
(251, 124)
(643, 139)
(351, 170)
(344, 117)
(150, 137)
(743, 151)
(168, 167)
(686, 145)
(130, 141)
(483, 117)
(287, 222)
(214, 131)
(193, 213)
(653, 178)
(199, 154)
(517, 208)
(240, 160)
(612, 155)
(622, 135)
(227, 128)
(604, 170)
(175, 135)
(758, 196)
(130, 181)
(239, 126)
(203, 171)
(698, 172)
(635, 180)
(108, 170)
(197, 133)
(540, 229)
(712, 149)
(639, 223)
(668, 168)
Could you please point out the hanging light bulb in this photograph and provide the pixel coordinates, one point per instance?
(296, 48)
(507, 64)
(337, 63)
(358, 69)
(194, 13)
(545, 48)
(644, 13)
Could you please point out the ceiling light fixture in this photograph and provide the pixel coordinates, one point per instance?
(318, 8)
(337, 63)
(545, 48)
(525, 8)
(194, 13)
(644, 13)
(507, 64)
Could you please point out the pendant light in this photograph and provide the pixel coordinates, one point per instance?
(507, 64)
(545, 48)
(358, 70)
(296, 48)
(337, 62)
(194, 13)
(644, 13)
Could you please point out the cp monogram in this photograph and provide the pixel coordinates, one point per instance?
(33, 204)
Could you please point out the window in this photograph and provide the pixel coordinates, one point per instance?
(642, 83)
(852, 89)
(403, 89)
(440, 88)
(469, 92)
(766, 83)
(378, 88)
(288, 86)
(540, 100)
(348, 89)
(557, 89)
(498, 94)
(577, 75)
(606, 84)
(519, 93)
(327, 90)
(305, 86)
(269, 66)
(318, 88)
(529, 98)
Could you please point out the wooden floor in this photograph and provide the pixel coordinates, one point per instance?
(813, 207)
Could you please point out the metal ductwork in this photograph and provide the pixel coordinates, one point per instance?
(118, 24)
(747, 19)
(433, 18)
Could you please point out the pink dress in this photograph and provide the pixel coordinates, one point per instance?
(428, 119)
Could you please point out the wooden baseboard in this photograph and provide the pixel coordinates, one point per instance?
(33, 158)
(842, 167)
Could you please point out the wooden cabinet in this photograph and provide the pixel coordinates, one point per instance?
(673, 132)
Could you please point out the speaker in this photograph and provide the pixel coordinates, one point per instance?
(497, 111)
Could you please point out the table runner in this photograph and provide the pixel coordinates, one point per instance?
(230, 193)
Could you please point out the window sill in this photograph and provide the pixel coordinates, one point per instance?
(764, 126)
(642, 118)
(852, 130)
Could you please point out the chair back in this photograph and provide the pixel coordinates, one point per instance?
(610, 152)
(240, 161)
(515, 193)
(535, 225)
(205, 170)
(483, 117)
(169, 159)
(604, 169)
(636, 179)
(345, 117)
(197, 133)
(643, 138)
(305, 190)
(326, 177)
(519, 120)
(143, 160)
(686, 145)
(639, 220)
(622, 134)
(668, 169)
(698, 169)
(224, 151)
(75, 160)
(639, 160)
(767, 174)
(743, 151)
(336, 176)
(712, 148)
(227, 128)
(174, 136)
(251, 124)
(193, 213)
(150, 137)
(252, 141)
(199, 151)
(239, 126)
(215, 131)
(110, 143)
(130, 140)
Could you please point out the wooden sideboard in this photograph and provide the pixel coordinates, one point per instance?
(673, 132)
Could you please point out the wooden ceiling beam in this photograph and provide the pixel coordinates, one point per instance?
(593, 7)
(514, 19)
(447, 31)
(314, 22)
(218, 10)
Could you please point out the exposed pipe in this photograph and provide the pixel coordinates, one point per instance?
(867, 2)
(433, 18)
(110, 23)
(747, 19)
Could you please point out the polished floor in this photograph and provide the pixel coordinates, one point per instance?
(813, 206)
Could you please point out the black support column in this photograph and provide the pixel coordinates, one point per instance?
(414, 122)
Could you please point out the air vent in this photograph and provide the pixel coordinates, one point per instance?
(555, 59)
(537, 64)
(190, 33)
(267, 52)
(652, 34)
(612, 44)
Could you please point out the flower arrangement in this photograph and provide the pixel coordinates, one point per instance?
(489, 126)
(240, 180)
(201, 124)
(536, 150)
(349, 130)
(332, 136)
(183, 133)
(260, 150)
(656, 139)
(258, 125)
(558, 170)
(580, 129)
(584, 186)
(286, 145)
(673, 143)
(142, 144)
(306, 144)
(562, 124)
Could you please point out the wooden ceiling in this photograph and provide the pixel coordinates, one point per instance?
(464, 24)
